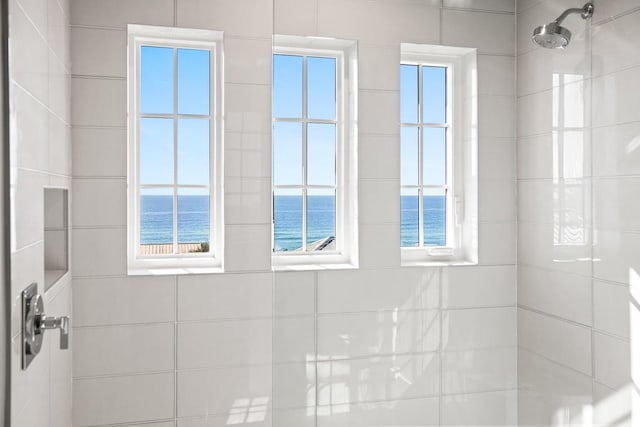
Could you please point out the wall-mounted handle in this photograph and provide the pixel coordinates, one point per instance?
(35, 323)
(61, 323)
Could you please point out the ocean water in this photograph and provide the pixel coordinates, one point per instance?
(434, 209)
(156, 219)
(193, 220)
(287, 220)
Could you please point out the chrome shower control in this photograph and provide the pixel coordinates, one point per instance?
(35, 323)
(61, 323)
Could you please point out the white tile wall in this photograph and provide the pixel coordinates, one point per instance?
(471, 371)
(121, 301)
(493, 5)
(294, 339)
(420, 21)
(99, 152)
(344, 336)
(92, 209)
(91, 45)
(123, 399)
(497, 408)
(611, 360)
(378, 379)
(245, 18)
(225, 388)
(121, 12)
(248, 343)
(478, 328)
(99, 102)
(573, 325)
(490, 33)
(563, 342)
(224, 296)
(408, 412)
(40, 155)
(613, 150)
(483, 286)
(611, 308)
(132, 349)
(557, 293)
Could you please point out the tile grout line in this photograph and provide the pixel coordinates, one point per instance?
(315, 347)
(175, 350)
(591, 205)
(440, 348)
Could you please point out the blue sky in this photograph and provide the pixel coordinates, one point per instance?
(288, 103)
(434, 112)
(156, 134)
(157, 97)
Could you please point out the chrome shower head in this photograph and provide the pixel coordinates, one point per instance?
(552, 36)
(555, 36)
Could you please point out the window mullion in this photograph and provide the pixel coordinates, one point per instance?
(136, 172)
(420, 164)
(175, 151)
(304, 154)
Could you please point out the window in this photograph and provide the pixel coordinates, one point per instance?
(437, 151)
(425, 144)
(174, 179)
(313, 151)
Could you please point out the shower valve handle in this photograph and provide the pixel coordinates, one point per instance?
(35, 322)
(61, 323)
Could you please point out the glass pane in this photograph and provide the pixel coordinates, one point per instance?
(156, 80)
(194, 93)
(434, 94)
(156, 221)
(434, 211)
(409, 94)
(287, 220)
(321, 220)
(193, 151)
(321, 88)
(287, 86)
(408, 156)
(321, 154)
(409, 217)
(193, 220)
(287, 153)
(156, 151)
(434, 156)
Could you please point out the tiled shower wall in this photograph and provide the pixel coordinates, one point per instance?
(578, 240)
(381, 345)
(40, 146)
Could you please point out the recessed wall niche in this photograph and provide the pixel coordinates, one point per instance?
(56, 235)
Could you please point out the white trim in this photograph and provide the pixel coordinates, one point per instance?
(461, 179)
(175, 38)
(345, 53)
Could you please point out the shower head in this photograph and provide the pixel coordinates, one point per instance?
(552, 36)
(555, 36)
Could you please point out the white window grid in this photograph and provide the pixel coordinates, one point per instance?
(175, 38)
(305, 121)
(420, 125)
(175, 117)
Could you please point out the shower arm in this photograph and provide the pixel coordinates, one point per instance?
(586, 11)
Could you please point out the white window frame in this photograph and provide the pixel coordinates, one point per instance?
(171, 37)
(461, 155)
(345, 255)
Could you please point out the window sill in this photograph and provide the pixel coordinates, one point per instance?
(173, 271)
(174, 266)
(311, 262)
(314, 267)
(439, 263)
(437, 257)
